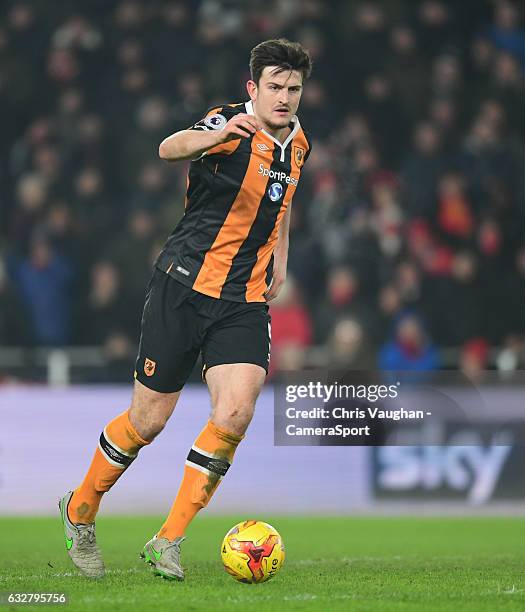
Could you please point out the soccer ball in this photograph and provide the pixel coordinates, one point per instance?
(252, 551)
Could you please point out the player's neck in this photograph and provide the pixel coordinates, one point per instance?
(280, 134)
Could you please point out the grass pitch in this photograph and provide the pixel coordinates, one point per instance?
(332, 564)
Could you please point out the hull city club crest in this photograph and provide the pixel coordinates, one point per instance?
(298, 155)
(149, 367)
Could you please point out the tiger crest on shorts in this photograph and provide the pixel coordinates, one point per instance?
(149, 367)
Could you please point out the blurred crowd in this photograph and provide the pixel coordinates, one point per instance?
(408, 228)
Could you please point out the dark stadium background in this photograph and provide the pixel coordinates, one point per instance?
(407, 241)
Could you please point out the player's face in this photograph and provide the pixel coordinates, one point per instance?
(276, 97)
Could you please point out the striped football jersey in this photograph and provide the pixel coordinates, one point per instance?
(236, 197)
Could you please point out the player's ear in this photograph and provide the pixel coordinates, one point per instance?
(251, 88)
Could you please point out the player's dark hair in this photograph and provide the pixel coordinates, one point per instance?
(282, 53)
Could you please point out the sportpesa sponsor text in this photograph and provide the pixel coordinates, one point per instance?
(280, 176)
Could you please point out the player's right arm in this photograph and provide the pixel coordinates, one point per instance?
(190, 144)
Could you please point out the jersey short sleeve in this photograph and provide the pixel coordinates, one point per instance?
(212, 120)
(215, 119)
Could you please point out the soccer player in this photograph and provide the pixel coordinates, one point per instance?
(208, 294)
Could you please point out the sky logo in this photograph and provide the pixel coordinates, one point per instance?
(275, 192)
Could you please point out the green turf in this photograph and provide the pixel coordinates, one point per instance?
(332, 564)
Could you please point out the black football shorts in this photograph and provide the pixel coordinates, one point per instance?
(179, 323)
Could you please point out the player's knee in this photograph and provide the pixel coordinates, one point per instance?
(154, 425)
(149, 421)
(234, 418)
(151, 410)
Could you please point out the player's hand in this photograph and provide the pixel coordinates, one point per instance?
(275, 287)
(240, 126)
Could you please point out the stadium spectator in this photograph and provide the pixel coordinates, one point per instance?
(410, 349)
(291, 328)
(14, 327)
(106, 309)
(474, 358)
(44, 281)
(31, 195)
(350, 348)
(131, 250)
(506, 33)
(511, 357)
(421, 170)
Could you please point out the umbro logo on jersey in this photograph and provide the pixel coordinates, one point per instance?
(262, 147)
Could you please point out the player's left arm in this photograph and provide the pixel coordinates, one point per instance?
(280, 256)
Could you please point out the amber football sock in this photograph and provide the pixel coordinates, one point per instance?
(208, 461)
(118, 446)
